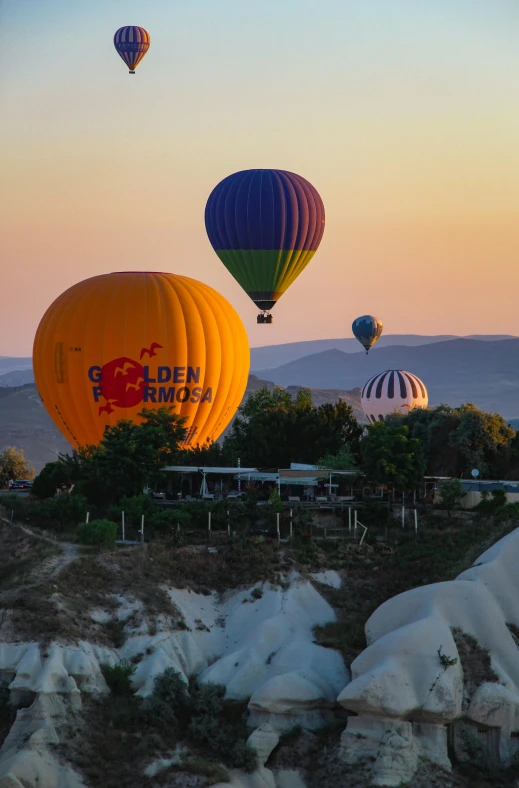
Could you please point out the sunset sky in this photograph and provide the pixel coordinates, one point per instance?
(404, 114)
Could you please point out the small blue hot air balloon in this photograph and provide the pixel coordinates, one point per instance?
(132, 42)
(367, 329)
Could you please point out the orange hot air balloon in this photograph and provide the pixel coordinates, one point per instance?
(117, 343)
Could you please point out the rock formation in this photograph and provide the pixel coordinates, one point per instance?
(413, 687)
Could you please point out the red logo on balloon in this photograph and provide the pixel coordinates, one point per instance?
(122, 383)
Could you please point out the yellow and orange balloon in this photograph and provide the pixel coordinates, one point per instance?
(114, 344)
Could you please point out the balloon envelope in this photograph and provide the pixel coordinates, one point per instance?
(265, 226)
(367, 329)
(115, 344)
(132, 43)
(392, 391)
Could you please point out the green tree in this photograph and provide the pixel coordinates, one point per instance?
(50, 478)
(129, 457)
(391, 458)
(272, 429)
(13, 465)
(451, 493)
(456, 440)
(344, 460)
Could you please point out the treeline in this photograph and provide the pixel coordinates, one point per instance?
(271, 430)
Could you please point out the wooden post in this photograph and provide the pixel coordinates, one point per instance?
(228, 524)
(403, 516)
(209, 524)
(355, 524)
(142, 529)
(87, 517)
(122, 523)
(277, 525)
(291, 523)
(12, 514)
(416, 521)
(349, 519)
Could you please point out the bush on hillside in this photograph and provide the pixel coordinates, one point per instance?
(58, 514)
(99, 533)
(170, 702)
(119, 678)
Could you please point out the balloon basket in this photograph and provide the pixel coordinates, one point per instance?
(131, 72)
(265, 317)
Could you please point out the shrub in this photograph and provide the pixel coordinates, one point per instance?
(119, 677)
(58, 513)
(133, 507)
(451, 493)
(275, 500)
(170, 703)
(209, 727)
(100, 533)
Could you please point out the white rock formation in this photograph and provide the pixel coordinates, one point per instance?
(270, 657)
(403, 691)
(25, 759)
(259, 648)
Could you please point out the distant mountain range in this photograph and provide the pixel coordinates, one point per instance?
(455, 371)
(274, 355)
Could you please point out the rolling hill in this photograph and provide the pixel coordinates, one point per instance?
(455, 371)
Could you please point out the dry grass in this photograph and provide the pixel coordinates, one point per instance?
(59, 609)
(20, 556)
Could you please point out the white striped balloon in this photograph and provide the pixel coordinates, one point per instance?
(392, 391)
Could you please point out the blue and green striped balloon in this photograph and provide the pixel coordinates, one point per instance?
(265, 226)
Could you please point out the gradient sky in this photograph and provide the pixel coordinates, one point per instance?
(403, 113)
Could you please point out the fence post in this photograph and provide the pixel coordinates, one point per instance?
(349, 519)
(12, 514)
(277, 525)
(122, 523)
(228, 524)
(87, 517)
(209, 524)
(416, 521)
(142, 529)
(355, 524)
(291, 523)
(403, 516)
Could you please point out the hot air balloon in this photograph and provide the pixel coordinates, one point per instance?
(114, 344)
(367, 329)
(265, 226)
(392, 391)
(132, 43)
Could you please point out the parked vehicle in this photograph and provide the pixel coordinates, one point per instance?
(20, 484)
